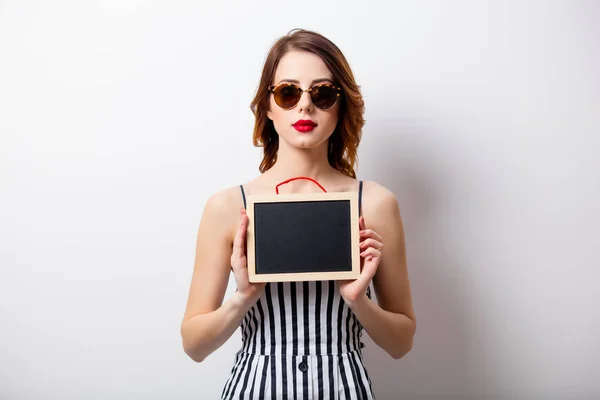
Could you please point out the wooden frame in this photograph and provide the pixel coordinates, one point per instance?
(351, 197)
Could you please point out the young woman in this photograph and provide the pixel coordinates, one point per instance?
(301, 340)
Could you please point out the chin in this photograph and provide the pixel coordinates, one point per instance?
(307, 143)
(307, 140)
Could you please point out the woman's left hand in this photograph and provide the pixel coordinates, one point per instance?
(371, 244)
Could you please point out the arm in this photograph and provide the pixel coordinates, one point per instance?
(391, 323)
(208, 323)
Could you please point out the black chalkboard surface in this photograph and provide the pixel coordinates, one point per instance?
(300, 237)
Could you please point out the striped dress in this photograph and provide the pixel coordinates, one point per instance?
(300, 341)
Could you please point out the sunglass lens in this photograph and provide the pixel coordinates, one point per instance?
(287, 96)
(324, 97)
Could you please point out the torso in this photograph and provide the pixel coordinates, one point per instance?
(299, 340)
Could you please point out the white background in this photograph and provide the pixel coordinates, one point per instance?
(118, 119)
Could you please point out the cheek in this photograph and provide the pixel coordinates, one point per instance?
(275, 112)
(336, 114)
(333, 119)
(277, 115)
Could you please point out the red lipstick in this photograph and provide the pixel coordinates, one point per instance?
(304, 125)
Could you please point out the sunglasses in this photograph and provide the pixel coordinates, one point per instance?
(323, 96)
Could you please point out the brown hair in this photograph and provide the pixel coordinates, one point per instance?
(343, 143)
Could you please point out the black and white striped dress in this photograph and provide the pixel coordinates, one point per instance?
(300, 341)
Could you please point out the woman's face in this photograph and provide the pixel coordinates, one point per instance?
(306, 70)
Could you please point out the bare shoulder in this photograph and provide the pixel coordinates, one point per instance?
(225, 200)
(222, 208)
(379, 203)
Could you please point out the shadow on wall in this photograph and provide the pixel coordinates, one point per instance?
(445, 362)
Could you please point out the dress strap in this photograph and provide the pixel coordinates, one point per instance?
(243, 195)
(360, 186)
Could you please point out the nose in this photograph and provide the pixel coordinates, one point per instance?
(305, 103)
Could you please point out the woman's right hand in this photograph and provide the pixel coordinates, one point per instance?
(239, 263)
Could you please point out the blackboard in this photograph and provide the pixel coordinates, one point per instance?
(300, 237)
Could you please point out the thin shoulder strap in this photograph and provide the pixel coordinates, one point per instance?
(243, 195)
(360, 186)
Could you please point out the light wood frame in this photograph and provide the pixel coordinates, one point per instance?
(352, 197)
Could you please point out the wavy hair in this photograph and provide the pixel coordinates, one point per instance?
(344, 141)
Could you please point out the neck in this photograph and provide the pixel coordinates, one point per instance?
(294, 162)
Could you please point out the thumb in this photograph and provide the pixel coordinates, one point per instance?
(367, 273)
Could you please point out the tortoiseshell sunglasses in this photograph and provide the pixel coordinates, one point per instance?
(323, 95)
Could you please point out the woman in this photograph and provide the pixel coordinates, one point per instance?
(301, 340)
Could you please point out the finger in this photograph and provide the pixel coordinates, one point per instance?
(366, 233)
(371, 243)
(370, 252)
(370, 233)
(361, 223)
(367, 273)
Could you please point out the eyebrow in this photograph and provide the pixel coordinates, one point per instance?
(312, 83)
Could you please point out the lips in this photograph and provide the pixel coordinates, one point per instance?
(304, 125)
(306, 122)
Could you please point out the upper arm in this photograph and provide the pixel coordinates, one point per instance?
(213, 256)
(391, 282)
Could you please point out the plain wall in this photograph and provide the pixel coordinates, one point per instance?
(118, 119)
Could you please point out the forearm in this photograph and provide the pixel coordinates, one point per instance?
(204, 333)
(391, 331)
